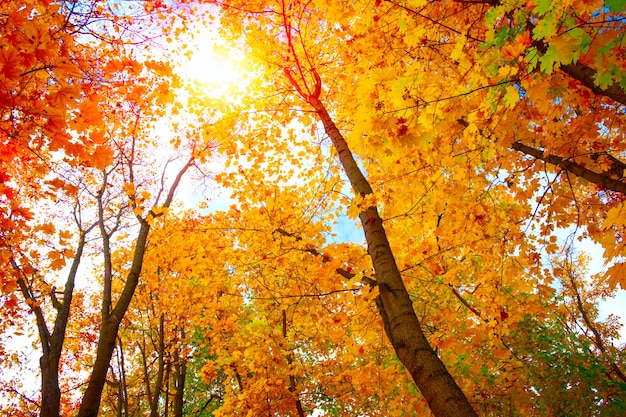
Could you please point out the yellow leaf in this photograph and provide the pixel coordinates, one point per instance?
(614, 217)
(129, 188)
(511, 96)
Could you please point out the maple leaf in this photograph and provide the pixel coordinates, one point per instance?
(90, 113)
(511, 96)
(10, 63)
(101, 157)
(516, 47)
(47, 228)
(57, 260)
(65, 96)
(615, 275)
(98, 136)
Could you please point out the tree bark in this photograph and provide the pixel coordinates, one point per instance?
(50, 392)
(108, 332)
(292, 379)
(144, 364)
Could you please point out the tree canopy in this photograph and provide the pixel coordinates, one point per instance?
(476, 148)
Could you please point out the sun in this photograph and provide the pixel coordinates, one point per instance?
(213, 65)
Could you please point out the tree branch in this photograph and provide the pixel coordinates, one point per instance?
(570, 166)
(325, 258)
(597, 339)
(586, 75)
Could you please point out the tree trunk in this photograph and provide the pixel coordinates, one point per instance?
(402, 326)
(154, 401)
(144, 364)
(166, 409)
(52, 344)
(123, 391)
(292, 379)
(180, 374)
(108, 332)
(50, 392)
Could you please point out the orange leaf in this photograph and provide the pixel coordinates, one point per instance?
(101, 157)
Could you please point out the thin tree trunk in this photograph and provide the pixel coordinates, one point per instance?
(154, 401)
(108, 332)
(180, 374)
(597, 337)
(166, 409)
(123, 383)
(146, 376)
(292, 379)
(52, 344)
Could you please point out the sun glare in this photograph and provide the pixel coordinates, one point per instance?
(216, 67)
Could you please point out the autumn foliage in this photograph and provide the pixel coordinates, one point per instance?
(403, 208)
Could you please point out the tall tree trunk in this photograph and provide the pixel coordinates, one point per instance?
(401, 324)
(90, 404)
(166, 409)
(108, 332)
(292, 379)
(123, 393)
(144, 364)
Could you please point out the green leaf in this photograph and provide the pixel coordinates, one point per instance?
(412, 389)
(542, 6)
(402, 25)
(616, 5)
(582, 37)
(556, 92)
(603, 79)
(493, 14)
(532, 57)
(621, 79)
(544, 27)
(501, 35)
(548, 60)
(606, 49)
